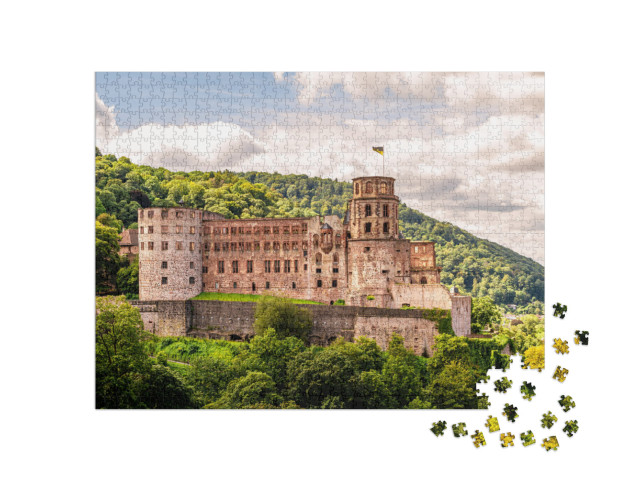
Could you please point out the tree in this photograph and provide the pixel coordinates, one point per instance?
(452, 388)
(484, 311)
(256, 390)
(161, 388)
(401, 373)
(119, 352)
(534, 357)
(210, 376)
(286, 318)
(127, 279)
(108, 259)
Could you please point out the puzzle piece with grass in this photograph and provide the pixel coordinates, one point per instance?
(511, 412)
(527, 390)
(502, 385)
(439, 427)
(548, 420)
(527, 439)
(459, 430)
(566, 402)
(570, 427)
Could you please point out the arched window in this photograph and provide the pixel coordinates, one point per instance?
(367, 210)
(318, 259)
(383, 188)
(357, 189)
(368, 188)
(423, 280)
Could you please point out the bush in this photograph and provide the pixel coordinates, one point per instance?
(370, 298)
(286, 318)
(339, 302)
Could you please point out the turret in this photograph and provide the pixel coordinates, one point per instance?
(374, 209)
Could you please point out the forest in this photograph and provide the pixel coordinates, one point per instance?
(478, 267)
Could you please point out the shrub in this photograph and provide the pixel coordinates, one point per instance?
(286, 318)
(339, 302)
(370, 298)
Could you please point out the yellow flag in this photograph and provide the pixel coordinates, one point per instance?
(380, 150)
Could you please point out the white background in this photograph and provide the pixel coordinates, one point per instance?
(50, 52)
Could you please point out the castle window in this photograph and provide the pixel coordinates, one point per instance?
(141, 246)
(164, 229)
(367, 249)
(165, 280)
(276, 246)
(318, 271)
(241, 246)
(267, 246)
(217, 285)
(367, 227)
(150, 246)
(318, 259)
(178, 245)
(192, 246)
(423, 280)
(293, 285)
(383, 187)
(234, 267)
(415, 249)
(287, 266)
(335, 258)
(304, 228)
(305, 253)
(338, 240)
(206, 246)
(216, 246)
(142, 214)
(385, 227)
(150, 229)
(334, 283)
(163, 265)
(165, 245)
(253, 286)
(368, 188)
(225, 246)
(319, 283)
(141, 229)
(267, 267)
(225, 230)
(235, 285)
(178, 229)
(294, 246)
(295, 229)
(256, 246)
(305, 267)
(256, 230)
(285, 230)
(335, 270)
(193, 215)
(367, 210)
(357, 189)
(234, 231)
(192, 280)
(267, 230)
(276, 230)
(220, 267)
(276, 266)
(192, 265)
(247, 246)
(233, 247)
(316, 240)
(216, 231)
(150, 214)
(205, 270)
(179, 214)
(240, 230)
(295, 265)
(385, 210)
(165, 214)
(267, 285)
(192, 230)
(285, 246)
(249, 267)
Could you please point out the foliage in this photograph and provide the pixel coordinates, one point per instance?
(256, 390)
(453, 388)
(528, 334)
(339, 302)
(162, 388)
(534, 357)
(284, 317)
(120, 356)
(484, 311)
(442, 317)
(234, 297)
(127, 279)
(108, 260)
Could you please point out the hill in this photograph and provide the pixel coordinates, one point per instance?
(476, 266)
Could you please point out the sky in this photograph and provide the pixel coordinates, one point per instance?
(465, 148)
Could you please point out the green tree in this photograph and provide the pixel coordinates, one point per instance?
(286, 318)
(161, 388)
(256, 390)
(127, 279)
(484, 311)
(452, 388)
(108, 260)
(120, 357)
(209, 376)
(401, 373)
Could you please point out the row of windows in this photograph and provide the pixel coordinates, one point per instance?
(164, 214)
(165, 280)
(285, 266)
(164, 229)
(267, 285)
(248, 246)
(368, 211)
(368, 188)
(164, 245)
(235, 230)
(385, 227)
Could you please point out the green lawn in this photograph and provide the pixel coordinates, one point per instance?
(224, 296)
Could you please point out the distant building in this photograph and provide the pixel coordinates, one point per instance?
(129, 244)
(362, 258)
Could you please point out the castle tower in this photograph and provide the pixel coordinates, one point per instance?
(374, 209)
(170, 253)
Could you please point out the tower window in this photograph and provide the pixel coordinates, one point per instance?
(367, 210)
(367, 227)
(267, 266)
(164, 265)
(165, 245)
(293, 285)
(220, 267)
(383, 187)
(368, 188)
(191, 265)
(334, 283)
(234, 267)
(319, 283)
(357, 189)
(249, 267)
(276, 266)
(235, 285)
(267, 285)
(150, 246)
(165, 280)
(192, 280)
(385, 227)
(385, 210)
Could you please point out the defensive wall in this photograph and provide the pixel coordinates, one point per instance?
(234, 321)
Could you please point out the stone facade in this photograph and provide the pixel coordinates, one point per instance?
(361, 259)
(234, 321)
(129, 244)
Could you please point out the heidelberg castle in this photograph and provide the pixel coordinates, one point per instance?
(361, 259)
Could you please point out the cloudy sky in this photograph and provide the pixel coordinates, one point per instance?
(466, 148)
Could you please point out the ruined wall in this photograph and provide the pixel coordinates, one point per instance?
(461, 315)
(234, 321)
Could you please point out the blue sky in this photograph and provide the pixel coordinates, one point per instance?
(464, 147)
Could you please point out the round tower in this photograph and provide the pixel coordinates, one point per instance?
(374, 209)
(170, 253)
